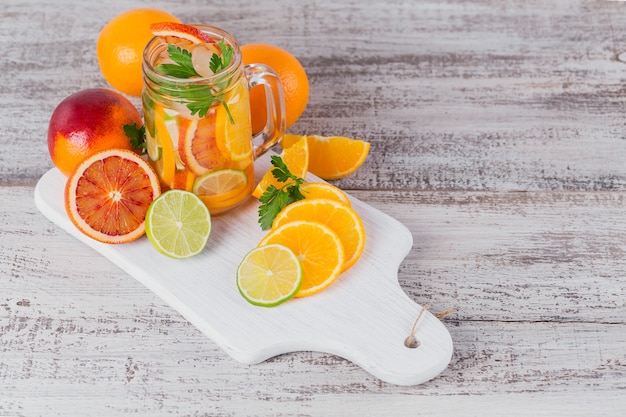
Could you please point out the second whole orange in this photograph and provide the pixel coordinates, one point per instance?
(292, 76)
(120, 47)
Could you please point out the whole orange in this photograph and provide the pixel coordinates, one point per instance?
(86, 122)
(292, 75)
(120, 47)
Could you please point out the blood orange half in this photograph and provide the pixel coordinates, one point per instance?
(108, 194)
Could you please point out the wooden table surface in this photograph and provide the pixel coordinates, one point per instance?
(498, 137)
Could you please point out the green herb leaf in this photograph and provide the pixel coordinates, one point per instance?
(218, 63)
(201, 107)
(137, 135)
(182, 66)
(198, 98)
(274, 199)
(227, 53)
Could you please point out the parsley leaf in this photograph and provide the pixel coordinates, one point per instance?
(219, 63)
(182, 66)
(274, 199)
(199, 98)
(216, 63)
(137, 135)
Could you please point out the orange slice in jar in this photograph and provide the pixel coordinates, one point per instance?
(165, 164)
(183, 180)
(233, 130)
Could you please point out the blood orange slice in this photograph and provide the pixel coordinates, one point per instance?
(108, 194)
(199, 150)
(181, 31)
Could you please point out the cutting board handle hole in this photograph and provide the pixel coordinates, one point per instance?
(411, 341)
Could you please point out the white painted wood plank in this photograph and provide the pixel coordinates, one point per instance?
(100, 319)
(486, 95)
(116, 371)
(528, 256)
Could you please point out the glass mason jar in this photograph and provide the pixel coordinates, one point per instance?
(198, 129)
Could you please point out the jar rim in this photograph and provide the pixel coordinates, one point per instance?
(152, 51)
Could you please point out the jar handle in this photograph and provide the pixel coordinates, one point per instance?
(274, 129)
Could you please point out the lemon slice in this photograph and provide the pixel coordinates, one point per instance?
(178, 224)
(222, 181)
(269, 275)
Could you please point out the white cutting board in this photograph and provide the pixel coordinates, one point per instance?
(364, 316)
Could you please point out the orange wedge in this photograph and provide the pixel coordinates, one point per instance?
(319, 249)
(296, 157)
(333, 157)
(317, 189)
(340, 218)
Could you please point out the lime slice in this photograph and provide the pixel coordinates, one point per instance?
(178, 224)
(220, 182)
(269, 275)
(153, 147)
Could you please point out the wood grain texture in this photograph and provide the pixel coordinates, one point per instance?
(498, 138)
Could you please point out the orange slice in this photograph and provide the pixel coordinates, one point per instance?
(296, 157)
(165, 163)
(333, 157)
(234, 137)
(317, 189)
(108, 195)
(319, 249)
(341, 219)
(183, 180)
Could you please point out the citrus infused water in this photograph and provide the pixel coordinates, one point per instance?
(197, 115)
